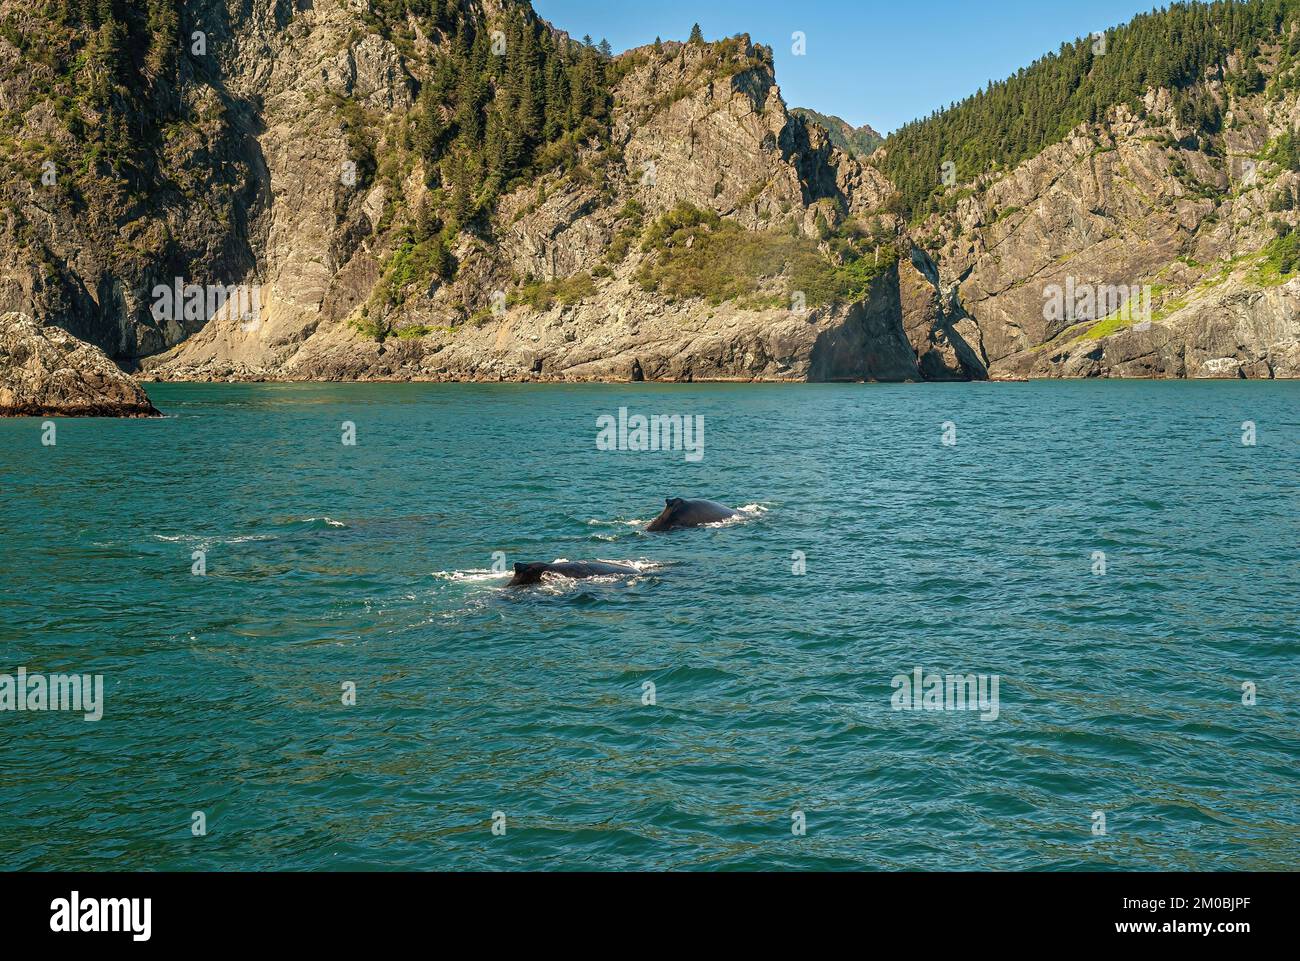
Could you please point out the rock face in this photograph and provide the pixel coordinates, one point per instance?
(1140, 207)
(1234, 332)
(255, 140)
(46, 372)
(946, 341)
(724, 142)
(639, 338)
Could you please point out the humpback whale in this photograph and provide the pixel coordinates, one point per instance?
(578, 570)
(684, 513)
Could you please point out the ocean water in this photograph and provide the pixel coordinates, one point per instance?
(1120, 694)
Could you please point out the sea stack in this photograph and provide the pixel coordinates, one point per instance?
(46, 372)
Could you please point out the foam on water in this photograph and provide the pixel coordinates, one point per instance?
(472, 575)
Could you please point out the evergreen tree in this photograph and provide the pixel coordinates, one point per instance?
(1175, 48)
(481, 122)
(163, 23)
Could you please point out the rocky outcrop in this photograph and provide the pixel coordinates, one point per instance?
(1141, 207)
(1235, 332)
(944, 339)
(46, 372)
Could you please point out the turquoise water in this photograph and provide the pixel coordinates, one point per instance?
(1118, 692)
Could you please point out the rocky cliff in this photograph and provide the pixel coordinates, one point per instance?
(257, 188)
(454, 190)
(1163, 236)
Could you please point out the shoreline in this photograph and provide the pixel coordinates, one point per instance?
(102, 412)
(561, 381)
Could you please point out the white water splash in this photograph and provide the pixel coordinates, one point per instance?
(329, 521)
(747, 513)
(474, 574)
(209, 541)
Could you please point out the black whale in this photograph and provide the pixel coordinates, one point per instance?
(578, 570)
(684, 513)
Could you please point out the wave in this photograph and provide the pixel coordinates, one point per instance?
(319, 521)
(207, 540)
(642, 565)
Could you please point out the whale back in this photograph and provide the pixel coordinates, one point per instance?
(532, 573)
(678, 512)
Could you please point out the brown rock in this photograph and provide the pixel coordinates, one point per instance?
(46, 372)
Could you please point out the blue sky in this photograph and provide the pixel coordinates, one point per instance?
(868, 61)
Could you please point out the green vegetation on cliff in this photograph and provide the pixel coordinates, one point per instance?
(499, 103)
(112, 121)
(543, 295)
(107, 70)
(1281, 259)
(1175, 47)
(695, 253)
